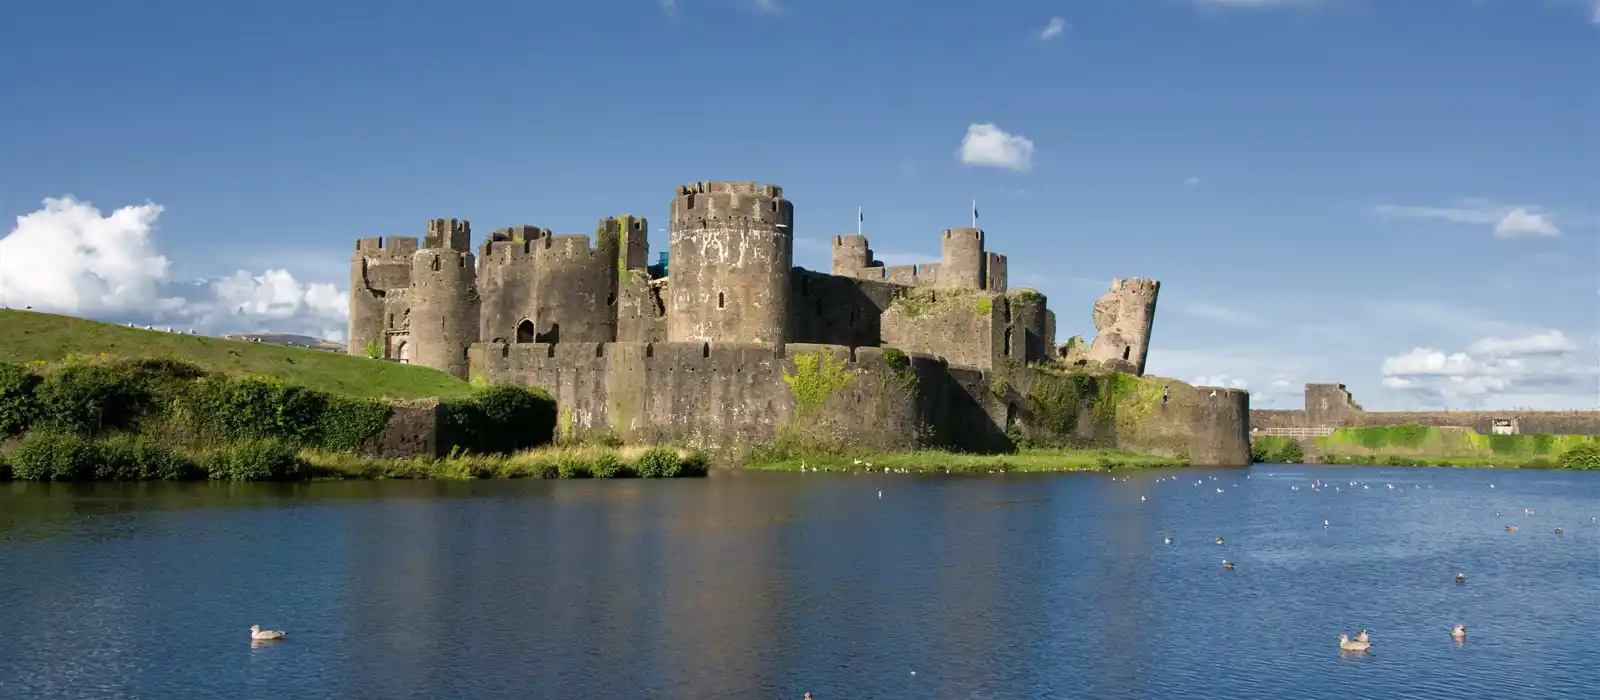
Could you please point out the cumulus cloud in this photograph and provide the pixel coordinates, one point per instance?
(70, 258)
(1191, 183)
(986, 145)
(1221, 380)
(1544, 369)
(1508, 221)
(1053, 30)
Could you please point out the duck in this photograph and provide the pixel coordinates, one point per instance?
(1363, 637)
(1511, 528)
(1461, 577)
(1167, 539)
(1459, 632)
(1560, 531)
(258, 634)
(1227, 564)
(1219, 540)
(1346, 645)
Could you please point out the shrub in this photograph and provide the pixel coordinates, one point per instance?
(501, 419)
(18, 403)
(89, 398)
(256, 460)
(54, 456)
(695, 465)
(1277, 449)
(1584, 455)
(572, 467)
(657, 463)
(606, 466)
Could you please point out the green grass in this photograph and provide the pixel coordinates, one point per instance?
(1417, 445)
(575, 462)
(1395, 460)
(930, 461)
(37, 338)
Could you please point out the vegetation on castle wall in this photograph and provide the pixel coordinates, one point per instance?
(1277, 450)
(898, 365)
(1418, 445)
(818, 376)
(501, 419)
(1119, 404)
(985, 305)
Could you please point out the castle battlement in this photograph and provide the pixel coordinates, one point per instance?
(1136, 286)
(379, 246)
(691, 356)
(449, 234)
(568, 246)
(506, 252)
(732, 204)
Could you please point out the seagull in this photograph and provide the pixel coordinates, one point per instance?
(258, 634)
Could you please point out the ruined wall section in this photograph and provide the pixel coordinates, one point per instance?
(962, 259)
(379, 269)
(575, 291)
(444, 300)
(835, 310)
(1332, 406)
(732, 250)
(641, 308)
(1030, 335)
(653, 393)
(963, 326)
(995, 273)
(507, 283)
(1123, 318)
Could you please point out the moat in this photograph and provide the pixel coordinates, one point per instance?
(767, 585)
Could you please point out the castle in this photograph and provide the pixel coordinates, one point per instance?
(703, 347)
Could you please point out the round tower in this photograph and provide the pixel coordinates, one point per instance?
(444, 299)
(732, 251)
(962, 259)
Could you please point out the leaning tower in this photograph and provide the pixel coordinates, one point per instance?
(1122, 320)
(732, 250)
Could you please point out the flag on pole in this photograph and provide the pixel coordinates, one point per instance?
(860, 217)
(974, 213)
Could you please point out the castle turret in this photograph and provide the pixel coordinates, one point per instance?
(1122, 320)
(380, 274)
(732, 250)
(850, 254)
(961, 262)
(576, 294)
(444, 298)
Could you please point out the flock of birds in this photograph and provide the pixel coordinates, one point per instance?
(1363, 639)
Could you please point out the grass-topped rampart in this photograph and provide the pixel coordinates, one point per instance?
(38, 340)
(1420, 445)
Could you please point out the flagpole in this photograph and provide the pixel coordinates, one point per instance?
(859, 219)
(974, 213)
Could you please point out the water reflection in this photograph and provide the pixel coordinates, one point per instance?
(769, 585)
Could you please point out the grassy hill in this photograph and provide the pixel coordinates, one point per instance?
(26, 336)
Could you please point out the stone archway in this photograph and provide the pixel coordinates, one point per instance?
(525, 331)
(402, 352)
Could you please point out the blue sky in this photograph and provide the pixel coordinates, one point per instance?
(1323, 186)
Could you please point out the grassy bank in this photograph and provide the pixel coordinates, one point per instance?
(930, 461)
(1423, 446)
(62, 457)
(37, 340)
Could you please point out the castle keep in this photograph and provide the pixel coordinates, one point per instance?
(731, 346)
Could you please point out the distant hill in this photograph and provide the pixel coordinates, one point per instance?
(298, 341)
(28, 336)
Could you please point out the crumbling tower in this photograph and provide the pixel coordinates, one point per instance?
(962, 260)
(444, 298)
(506, 278)
(1122, 320)
(732, 250)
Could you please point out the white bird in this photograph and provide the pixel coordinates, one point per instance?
(258, 634)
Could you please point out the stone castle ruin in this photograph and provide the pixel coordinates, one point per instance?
(729, 345)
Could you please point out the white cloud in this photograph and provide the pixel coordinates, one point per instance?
(1221, 380)
(70, 258)
(1192, 182)
(1543, 369)
(986, 145)
(1520, 222)
(1053, 29)
(1508, 221)
(1273, 375)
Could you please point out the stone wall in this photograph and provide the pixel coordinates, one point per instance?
(722, 398)
(1149, 415)
(576, 294)
(1331, 406)
(507, 280)
(963, 326)
(834, 310)
(412, 431)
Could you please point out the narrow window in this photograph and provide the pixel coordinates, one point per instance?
(1127, 351)
(720, 300)
(435, 264)
(525, 331)
(1008, 343)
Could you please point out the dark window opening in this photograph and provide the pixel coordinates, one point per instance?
(705, 349)
(551, 336)
(855, 316)
(1127, 351)
(720, 300)
(1008, 343)
(525, 331)
(611, 299)
(435, 264)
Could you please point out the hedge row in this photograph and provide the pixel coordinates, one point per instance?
(57, 456)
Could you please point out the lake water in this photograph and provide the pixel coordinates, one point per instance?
(768, 585)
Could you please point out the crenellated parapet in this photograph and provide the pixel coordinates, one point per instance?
(449, 234)
(731, 248)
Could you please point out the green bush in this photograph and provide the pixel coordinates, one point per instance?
(606, 466)
(695, 465)
(47, 455)
(256, 460)
(569, 467)
(1584, 455)
(1277, 449)
(18, 403)
(90, 398)
(501, 419)
(657, 463)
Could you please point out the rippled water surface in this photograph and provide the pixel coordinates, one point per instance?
(767, 585)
